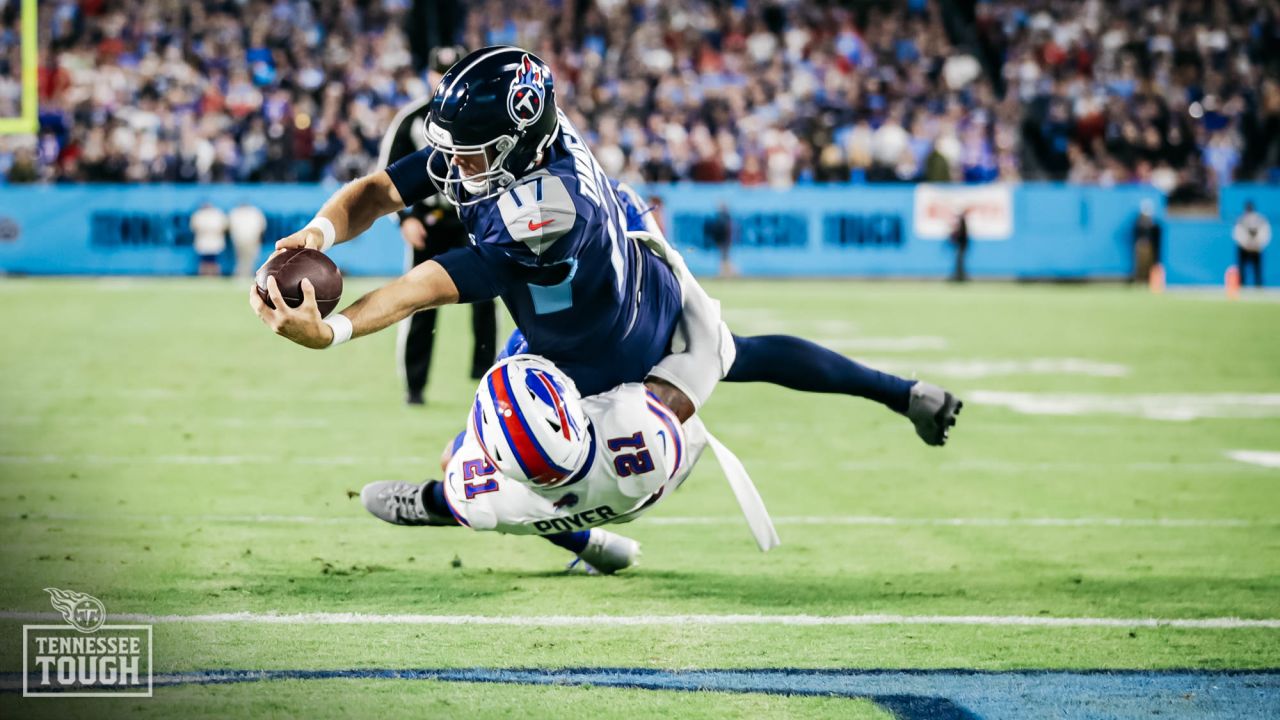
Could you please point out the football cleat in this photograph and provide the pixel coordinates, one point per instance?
(933, 411)
(606, 553)
(399, 503)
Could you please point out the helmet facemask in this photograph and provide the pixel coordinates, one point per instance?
(491, 181)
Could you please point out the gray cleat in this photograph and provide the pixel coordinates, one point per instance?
(933, 411)
(399, 503)
(606, 553)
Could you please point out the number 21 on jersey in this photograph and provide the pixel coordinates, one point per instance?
(633, 463)
(472, 469)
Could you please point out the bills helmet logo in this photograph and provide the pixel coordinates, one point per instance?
(524, 101)
(546, 388)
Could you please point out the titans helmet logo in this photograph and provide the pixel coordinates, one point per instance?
(524, 101)
(84, 612)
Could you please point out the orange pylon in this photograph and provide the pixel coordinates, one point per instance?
(1232, 281)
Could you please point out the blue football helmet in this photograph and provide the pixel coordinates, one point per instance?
(498, 102)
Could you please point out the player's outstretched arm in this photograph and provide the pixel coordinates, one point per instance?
(425, 286)
(352, 210)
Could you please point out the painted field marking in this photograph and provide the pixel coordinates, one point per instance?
(136, 394)
(883, 344)
(1172, 406)
(229, 421)
(93, 459)
(907, 694)
(975, 368)
(981, 522)
(656, 620)
(1262, 458)
(801, 520)
(984, 465)
(328, 618)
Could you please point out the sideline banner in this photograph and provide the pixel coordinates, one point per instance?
(988, 210)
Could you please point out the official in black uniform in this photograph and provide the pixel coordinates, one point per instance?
(430, 228)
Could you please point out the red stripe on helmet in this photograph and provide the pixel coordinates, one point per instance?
(555, 397)
(527, 453)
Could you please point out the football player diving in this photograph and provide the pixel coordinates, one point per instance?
(549, 237)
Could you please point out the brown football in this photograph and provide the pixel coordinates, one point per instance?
(290, 266)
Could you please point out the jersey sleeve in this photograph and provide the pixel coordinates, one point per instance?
(479, 272)
(483, 499)
(469, 480)
(409, 175)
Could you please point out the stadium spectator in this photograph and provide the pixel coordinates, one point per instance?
(1252, 234)
(209, 226)
(247, 224)
(10, 59)
(1146, 242)
(1183, 96)
(960, 239)
(719, 230)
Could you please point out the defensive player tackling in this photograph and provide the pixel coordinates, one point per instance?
(537, 458)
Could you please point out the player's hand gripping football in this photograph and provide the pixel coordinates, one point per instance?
(304, 238)
(301, 324)
(308, 237)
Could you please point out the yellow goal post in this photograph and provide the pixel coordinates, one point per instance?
(26, 122)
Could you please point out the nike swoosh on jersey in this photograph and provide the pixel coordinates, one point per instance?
(533, 226)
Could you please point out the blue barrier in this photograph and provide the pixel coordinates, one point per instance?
(1057, 231)
(143, 230)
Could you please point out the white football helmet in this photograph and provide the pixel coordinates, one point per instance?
(528, 419)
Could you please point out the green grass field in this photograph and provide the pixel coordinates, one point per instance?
(163, 451)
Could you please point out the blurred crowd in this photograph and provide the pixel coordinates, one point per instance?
(1182, 95)
(10, 59)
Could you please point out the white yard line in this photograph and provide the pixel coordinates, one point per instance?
(1172, 406)
(883, 344)
(322, 618)
(875, 520)
(57, 459)
(814, 520)
(1262, 458)
(977, 368)
(1051, 466)
(984, 465)
(230, 421)
(137, 394)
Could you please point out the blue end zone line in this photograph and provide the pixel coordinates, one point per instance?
(912, 694)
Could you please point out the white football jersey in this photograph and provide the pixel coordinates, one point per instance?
(641, 454)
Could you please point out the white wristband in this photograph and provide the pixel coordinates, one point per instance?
(341, 325)
(325, 226)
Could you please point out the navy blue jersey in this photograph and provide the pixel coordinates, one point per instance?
(553, 246)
